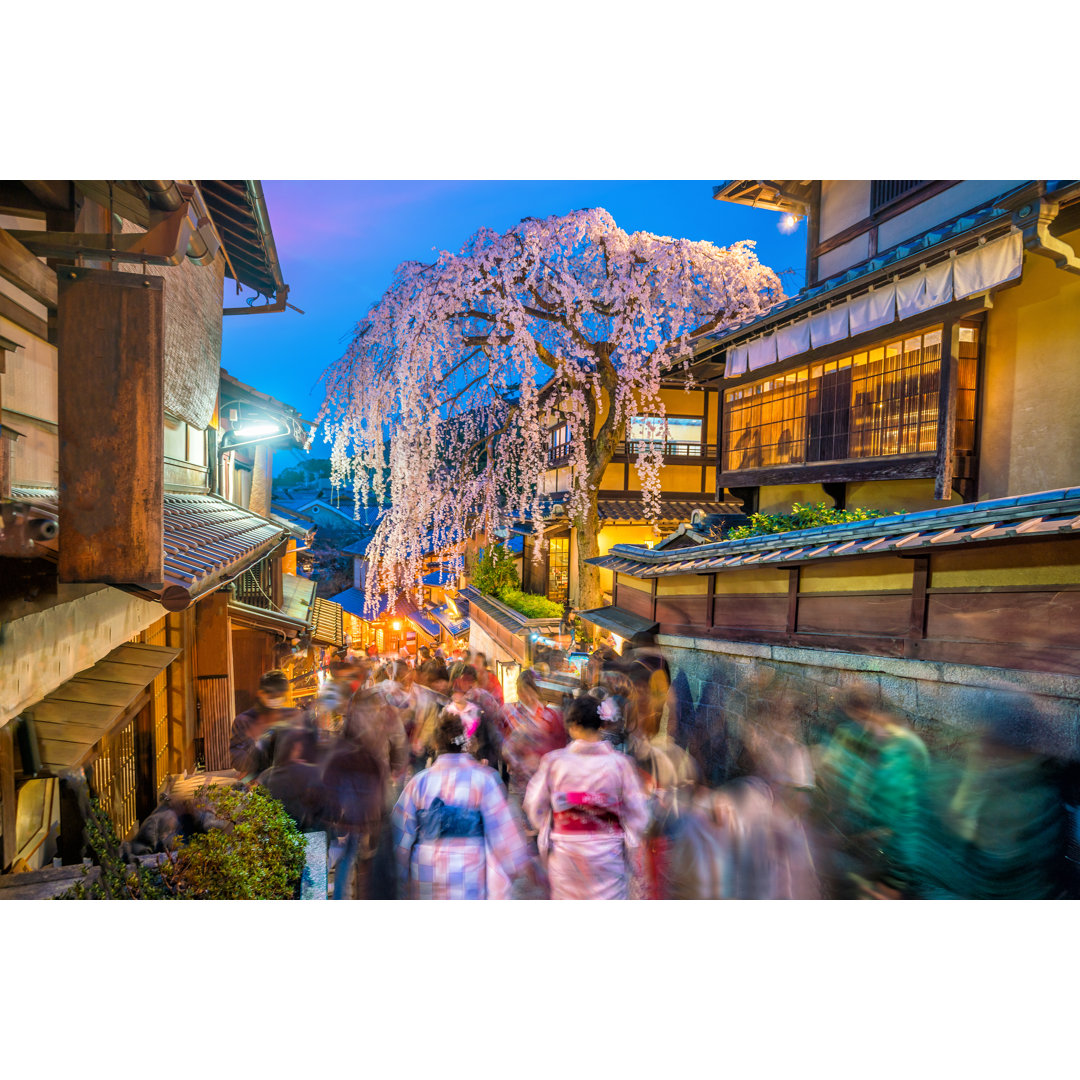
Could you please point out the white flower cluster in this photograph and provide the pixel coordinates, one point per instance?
(441, 407)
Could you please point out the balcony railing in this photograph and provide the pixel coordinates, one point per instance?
(679, 450)
(559, 456)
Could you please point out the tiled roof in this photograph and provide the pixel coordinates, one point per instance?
(406, 608)
(352, 600)
(506, 617)
(670, 509)
(1045, 513)
(208, 541)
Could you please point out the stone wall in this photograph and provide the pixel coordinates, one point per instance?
(714, 684)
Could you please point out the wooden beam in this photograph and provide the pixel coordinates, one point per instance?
(711, 604)
(54, 193)
(26, 320)
(946, 432)
(900, 467)
(900, 206)
(25, 271)
(110, 356)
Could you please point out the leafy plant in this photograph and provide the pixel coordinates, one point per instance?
(531, 605)
(494, 573)
(260, 858)
(259, 855)
(802, 516)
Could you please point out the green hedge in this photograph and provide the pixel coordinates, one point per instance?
(531, 605)
(803, 516)
(258, 856)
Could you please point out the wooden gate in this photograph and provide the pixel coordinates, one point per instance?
(215, 719)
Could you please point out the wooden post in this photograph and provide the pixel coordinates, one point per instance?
(793, 600)
(946, 433)
(8, 807)
(110, 354)
(710, 603)
(655, 584)
(704, 440)
(917, 623)
(719, 442)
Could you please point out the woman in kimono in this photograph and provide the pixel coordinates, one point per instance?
(454, 836)
(589, 809)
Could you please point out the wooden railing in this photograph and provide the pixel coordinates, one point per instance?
(628, 448)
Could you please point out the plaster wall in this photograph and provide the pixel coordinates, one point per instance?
(1030, 437)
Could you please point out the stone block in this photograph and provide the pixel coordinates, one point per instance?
(313, 885)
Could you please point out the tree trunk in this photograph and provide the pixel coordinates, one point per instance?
(587, 533)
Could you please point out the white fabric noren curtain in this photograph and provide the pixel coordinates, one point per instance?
(792, 340)
(874, 309)
(736, 361)
(988, 265)
(829, 325)
(762, 352)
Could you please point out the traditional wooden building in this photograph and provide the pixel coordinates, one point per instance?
(926, 366)
(688, 478)
(115, 540)
(927, 359)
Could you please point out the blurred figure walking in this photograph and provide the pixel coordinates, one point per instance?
(589, 809)
(454, 836)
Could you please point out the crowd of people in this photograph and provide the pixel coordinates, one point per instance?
(432, 786)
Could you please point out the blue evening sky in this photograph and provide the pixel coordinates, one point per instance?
(340, 241)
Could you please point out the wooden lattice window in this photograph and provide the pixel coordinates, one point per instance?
(883, 192)
(559, 569)
(967, 367)
(116, 778)
(881, 402)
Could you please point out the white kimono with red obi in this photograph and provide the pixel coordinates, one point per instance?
(589, 809)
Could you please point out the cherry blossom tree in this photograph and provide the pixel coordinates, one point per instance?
(453, 377)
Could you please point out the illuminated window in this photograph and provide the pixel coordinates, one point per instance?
(683, 434)
(878, 403)
(559, 443)
(559, 569)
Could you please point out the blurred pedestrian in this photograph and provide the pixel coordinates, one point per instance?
(532, 729)
(270, 710)
(453, 833)
(589, 809)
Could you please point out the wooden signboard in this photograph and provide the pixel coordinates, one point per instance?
(110, 355)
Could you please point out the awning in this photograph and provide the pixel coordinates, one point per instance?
(975, 271)
(298, 592)
(455, 626)
(619, 622)
(77, 715)
(326, 624)
(208, 541)
(257, 618)
(239, 212)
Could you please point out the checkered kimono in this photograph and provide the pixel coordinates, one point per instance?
(457, 868)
